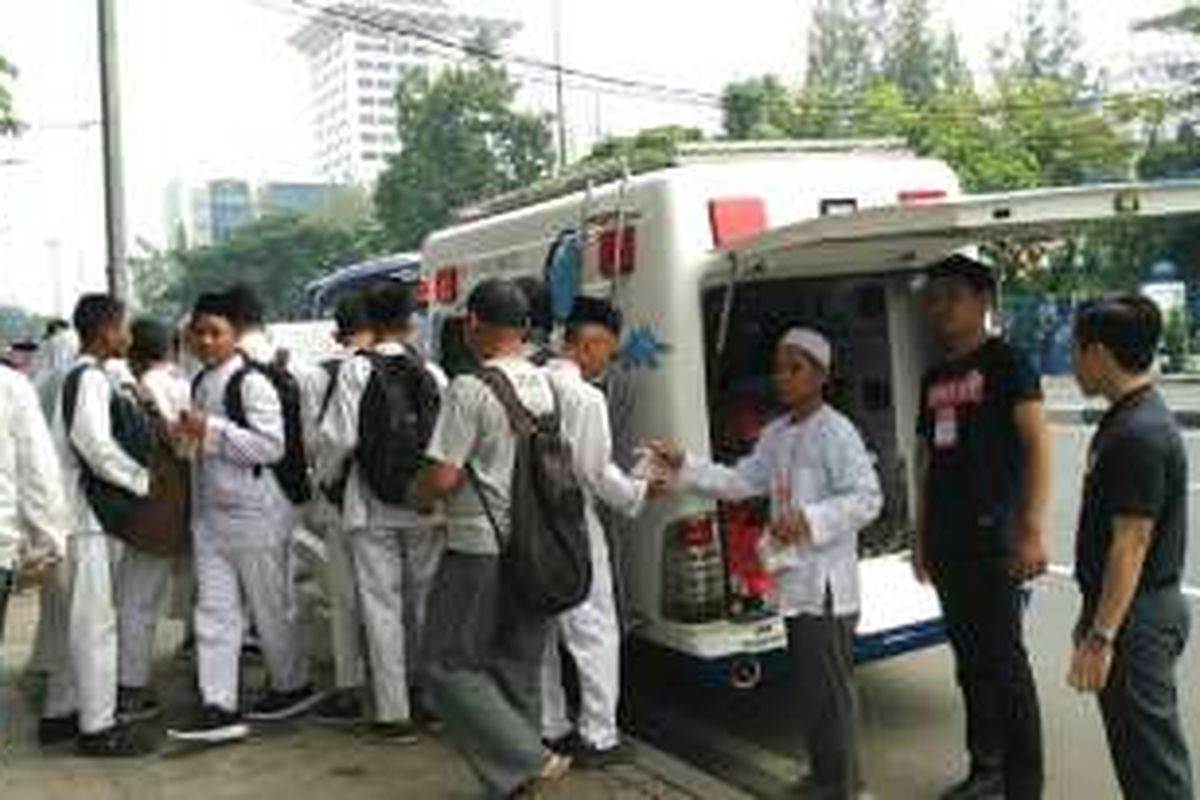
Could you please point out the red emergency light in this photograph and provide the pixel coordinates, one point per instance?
(424, 292)
(608, 248)
(910, 197)
(445, 285)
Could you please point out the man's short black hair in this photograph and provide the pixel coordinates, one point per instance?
(594, 311)
(55, 325)
(1128, 325)
(391, 305)
(979, 276)
(499, 302)
(93, 313)
(541, 318)
(152, 340)
(350, 314)
(217, 304)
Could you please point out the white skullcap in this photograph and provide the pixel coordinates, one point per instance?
(812, 343)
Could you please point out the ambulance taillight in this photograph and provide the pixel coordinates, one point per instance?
(694, 571)
(912, 197)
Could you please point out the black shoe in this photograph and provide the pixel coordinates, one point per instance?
(118, 741)
(586, 756)
(395, 732)
(565, 745)
(136, 704)
(341, 706)
(978, 786)
(57, 730)
(275, 706)
(424, 716)
(211, 725)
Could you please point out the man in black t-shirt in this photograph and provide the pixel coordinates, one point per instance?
(983, 472)
(1129, 552)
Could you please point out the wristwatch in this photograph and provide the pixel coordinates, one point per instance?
(1100, 637)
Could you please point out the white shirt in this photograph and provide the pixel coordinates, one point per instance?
(234, 486)
(338, 439)
(32, 506)
(169, 391)
(91, 439)
(832, 481)
(473, 429)
(585, 426)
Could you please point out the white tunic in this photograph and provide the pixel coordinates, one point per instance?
(832, 482)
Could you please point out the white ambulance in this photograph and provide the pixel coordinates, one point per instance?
(711, 256)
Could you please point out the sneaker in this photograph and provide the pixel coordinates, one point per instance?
(341, 706)
(395, 732)
(554, 766)
(588, 757)
(136, 704)
(57, 730)
(275, 706)
(212, 725)
(117, 741)
(987, 785)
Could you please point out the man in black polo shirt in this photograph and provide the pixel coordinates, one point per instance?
(1129, 552)
(983, 472)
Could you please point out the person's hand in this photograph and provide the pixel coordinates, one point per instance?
(666, 455)
(1090, 666)
(659, 486)
(34, 571)
(791, 527)
(191, 427)
(1029, 557)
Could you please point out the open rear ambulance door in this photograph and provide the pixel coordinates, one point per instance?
(898, 614)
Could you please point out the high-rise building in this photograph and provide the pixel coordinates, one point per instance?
(355, 53)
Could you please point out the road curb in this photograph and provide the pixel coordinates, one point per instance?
(682, 776)
(1091, 416)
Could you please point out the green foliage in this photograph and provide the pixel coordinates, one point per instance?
(461, 140)
(1175, 340)
(758, 108)
(276, 256)
(651, 145)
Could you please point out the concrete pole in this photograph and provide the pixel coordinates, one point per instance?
(560, 103)
(116, 263)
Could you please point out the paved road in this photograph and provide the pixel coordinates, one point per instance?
(912, 720)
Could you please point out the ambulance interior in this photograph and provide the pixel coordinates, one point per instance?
(879, 352)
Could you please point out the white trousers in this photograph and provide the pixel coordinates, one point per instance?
(394, 569)
(345, 614)
(592, 637)
(234, 581)
(83, 672)
(142, 581)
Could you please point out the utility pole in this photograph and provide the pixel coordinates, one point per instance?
(561, 113)
(116, 263)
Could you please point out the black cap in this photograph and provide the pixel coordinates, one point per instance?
(391, 305)
(538, 297)
(595, 311)
(350, 315)
(217, 304)
(978, 276)
(499, 302)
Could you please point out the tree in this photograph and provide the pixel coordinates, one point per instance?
(758, 108)
(8, 123)
(276, 256)
(911, 57)
(840, 60)
(652, 145)
(460, 140)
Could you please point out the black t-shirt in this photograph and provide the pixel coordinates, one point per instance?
(976, 464)
(1137, 466)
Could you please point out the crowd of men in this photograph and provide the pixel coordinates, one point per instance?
(413, 482)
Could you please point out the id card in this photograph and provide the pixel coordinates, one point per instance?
(945, 429)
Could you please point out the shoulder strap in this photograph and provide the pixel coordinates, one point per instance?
(519, 417)
(235, 404)
(70, 395)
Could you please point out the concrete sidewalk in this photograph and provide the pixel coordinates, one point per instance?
(299, 760)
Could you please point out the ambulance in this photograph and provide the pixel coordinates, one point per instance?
(711, 254)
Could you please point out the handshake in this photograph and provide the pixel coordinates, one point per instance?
(659, 464)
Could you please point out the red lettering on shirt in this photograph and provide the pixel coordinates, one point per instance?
(952, 393)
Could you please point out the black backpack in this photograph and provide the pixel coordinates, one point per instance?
(291, 470)
(133, 430)
(547, 557)
(396, 416)
(334, 492)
